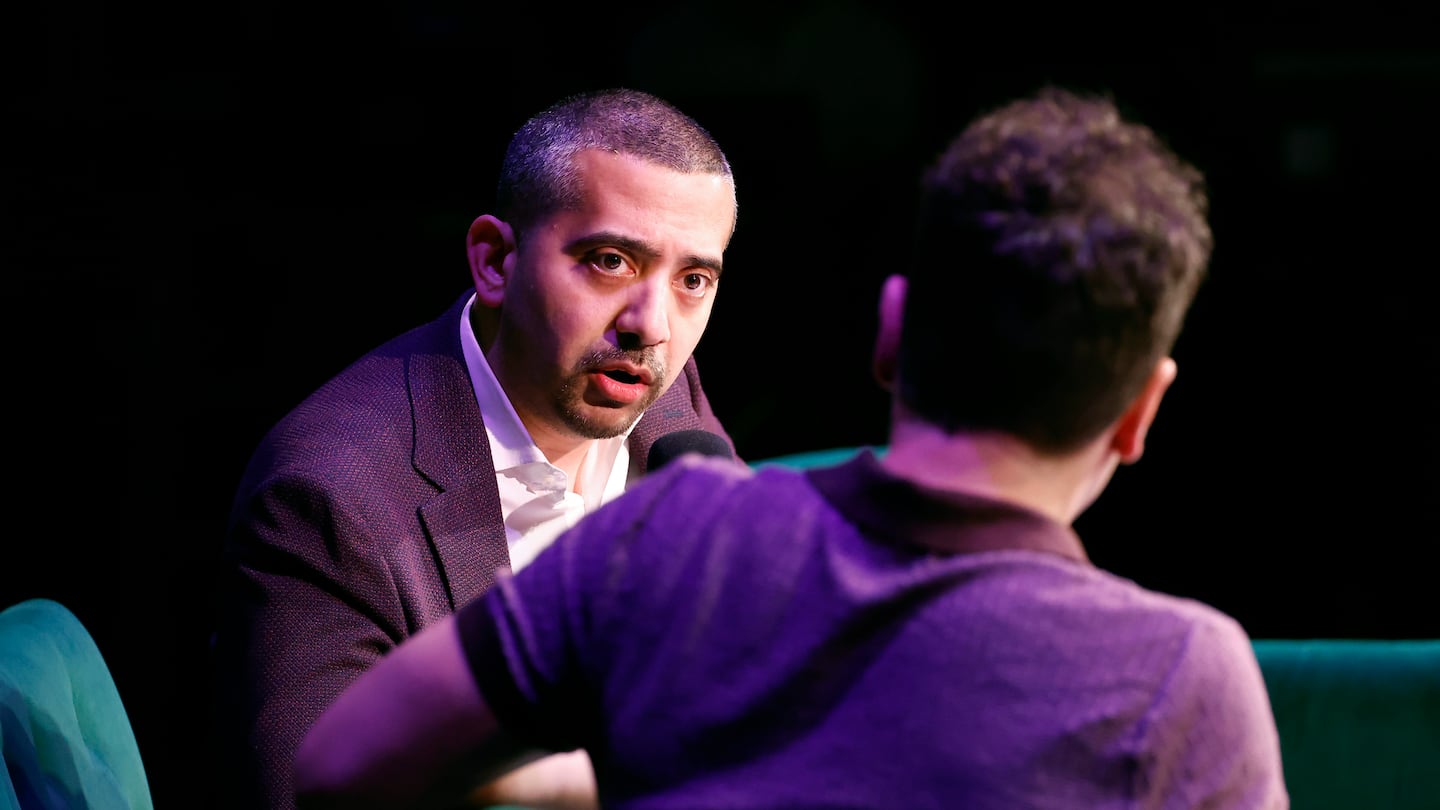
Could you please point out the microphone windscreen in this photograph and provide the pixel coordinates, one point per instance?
(673, 445)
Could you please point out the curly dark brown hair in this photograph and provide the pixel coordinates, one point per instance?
(1058, 248)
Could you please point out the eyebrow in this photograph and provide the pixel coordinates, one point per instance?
(590, 241)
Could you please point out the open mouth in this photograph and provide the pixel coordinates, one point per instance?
(621, 376)
(618, 387)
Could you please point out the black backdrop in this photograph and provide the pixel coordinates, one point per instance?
(208, 211)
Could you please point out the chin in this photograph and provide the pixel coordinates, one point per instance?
(594, 422)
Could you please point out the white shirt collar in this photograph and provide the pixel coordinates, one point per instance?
(510, 443)
(524, 475)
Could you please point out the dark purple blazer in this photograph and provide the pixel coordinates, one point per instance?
(365, 514)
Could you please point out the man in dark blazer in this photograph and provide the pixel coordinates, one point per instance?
(396, 491)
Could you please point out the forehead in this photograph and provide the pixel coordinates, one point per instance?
(624, 194)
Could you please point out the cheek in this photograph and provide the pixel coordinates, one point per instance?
(572, 330)
(686, 329)
(558, 306)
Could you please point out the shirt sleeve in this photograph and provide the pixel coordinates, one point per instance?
(1211, 739)
(519, 639)
(538, 641)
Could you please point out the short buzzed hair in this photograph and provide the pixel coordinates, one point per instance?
(1057, 251)
(538, 178)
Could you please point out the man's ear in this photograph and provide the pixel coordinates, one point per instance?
(887, 337)
(1129, 438)
(490, 246)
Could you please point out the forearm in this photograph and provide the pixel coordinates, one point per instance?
(413, 731)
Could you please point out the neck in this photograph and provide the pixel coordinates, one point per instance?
(564, 452)
(999, 466)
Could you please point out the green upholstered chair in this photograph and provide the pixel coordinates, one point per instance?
(814, 458)
(1359, 719)
(65, 737)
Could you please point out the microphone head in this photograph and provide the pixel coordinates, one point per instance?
(673, 445)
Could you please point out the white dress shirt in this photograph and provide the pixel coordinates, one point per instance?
(537, 498)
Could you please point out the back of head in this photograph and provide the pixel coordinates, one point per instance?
(537, 177)
(1058, 248)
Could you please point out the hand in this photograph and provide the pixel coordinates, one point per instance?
(556, 782)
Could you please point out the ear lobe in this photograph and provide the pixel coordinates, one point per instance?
(887, 336)
(1128, 440)
(490, 247)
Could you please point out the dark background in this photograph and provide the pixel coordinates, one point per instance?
(210, 210)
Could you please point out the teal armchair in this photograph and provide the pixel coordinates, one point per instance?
(65, 738)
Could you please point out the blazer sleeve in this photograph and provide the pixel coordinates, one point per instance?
(305, 611)
(365, 514)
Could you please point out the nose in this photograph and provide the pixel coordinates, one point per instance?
(644, 319)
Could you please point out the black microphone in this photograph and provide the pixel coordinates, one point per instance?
(671, 446)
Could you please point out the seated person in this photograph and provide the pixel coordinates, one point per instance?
(922, 630)
(400, 488)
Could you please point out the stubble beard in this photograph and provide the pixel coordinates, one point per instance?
(598, 422)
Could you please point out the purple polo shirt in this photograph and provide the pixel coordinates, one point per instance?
(837, 637)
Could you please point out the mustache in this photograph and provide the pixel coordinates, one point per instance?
(646, 358)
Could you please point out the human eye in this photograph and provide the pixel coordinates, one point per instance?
(696, 283)
(610, 263)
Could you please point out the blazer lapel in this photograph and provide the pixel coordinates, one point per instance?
(464, 520)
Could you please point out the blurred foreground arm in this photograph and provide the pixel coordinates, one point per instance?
(556, 782)
(414, 731)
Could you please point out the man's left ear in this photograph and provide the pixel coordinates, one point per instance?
(887, 336)
(1129, 438)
